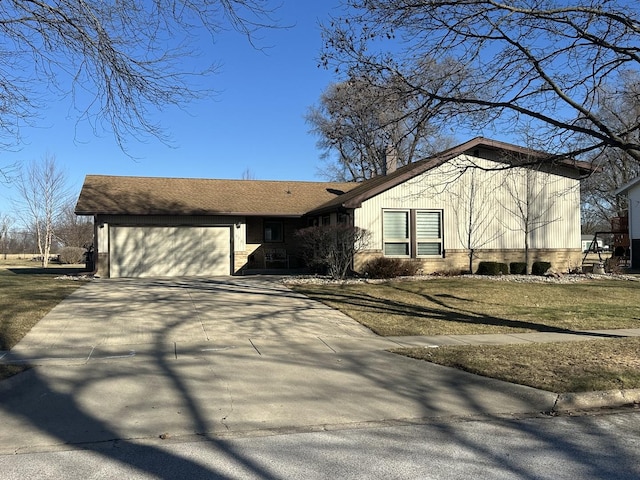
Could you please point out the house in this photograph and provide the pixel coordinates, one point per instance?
(484, 197)
(632, 191)
(588, 244)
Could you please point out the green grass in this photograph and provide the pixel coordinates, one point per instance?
(459, 306)
(27, 295)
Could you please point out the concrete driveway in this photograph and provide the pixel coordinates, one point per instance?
(220, 312)
(136, 360)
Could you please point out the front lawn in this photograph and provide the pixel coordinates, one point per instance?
(27, 295)
(458, 306)
(585, 366)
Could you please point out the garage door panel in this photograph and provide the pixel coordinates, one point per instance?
(170, 251)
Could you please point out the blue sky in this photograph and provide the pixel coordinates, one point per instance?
(255, 122)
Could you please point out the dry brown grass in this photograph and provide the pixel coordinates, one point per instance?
(557, 367)
(460, 306)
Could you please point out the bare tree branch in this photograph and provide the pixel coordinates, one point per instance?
(119, 62)
(537, 64)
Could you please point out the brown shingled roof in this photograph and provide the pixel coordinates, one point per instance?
(102, 194)
(374, 186)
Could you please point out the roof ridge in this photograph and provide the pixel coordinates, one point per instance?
(143, 177)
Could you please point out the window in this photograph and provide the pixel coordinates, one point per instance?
(273, 232)
(412, 233)
(396, 233)
(428, 233)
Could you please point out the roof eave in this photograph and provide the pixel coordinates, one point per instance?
(195, 213)
(627, 186)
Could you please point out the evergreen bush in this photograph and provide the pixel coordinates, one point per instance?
(492, 268)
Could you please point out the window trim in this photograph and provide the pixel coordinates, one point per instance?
(280, 224)
(397, 240)
(439, 240)
(412, 242)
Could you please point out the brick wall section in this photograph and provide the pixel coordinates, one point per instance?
(563, 260)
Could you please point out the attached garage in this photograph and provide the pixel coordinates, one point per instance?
(169, 251)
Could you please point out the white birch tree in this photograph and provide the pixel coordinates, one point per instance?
(43, 192)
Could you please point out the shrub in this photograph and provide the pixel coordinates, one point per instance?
(331, 247)
(540, 268)
(72, 255)
(492, 268)
(384, 267)
(518, 268)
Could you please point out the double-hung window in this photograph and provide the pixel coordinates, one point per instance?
(412, 233)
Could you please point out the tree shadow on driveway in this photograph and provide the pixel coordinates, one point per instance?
(209, 393)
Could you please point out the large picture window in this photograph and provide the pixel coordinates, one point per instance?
(412, 233)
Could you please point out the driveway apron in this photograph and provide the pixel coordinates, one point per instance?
(138, 360)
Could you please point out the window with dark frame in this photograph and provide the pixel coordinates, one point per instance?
(412, 233)
(396, 233)
(428, 233)
(273, 232)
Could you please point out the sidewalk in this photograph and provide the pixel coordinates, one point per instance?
(257, 386)
(512, 338)
(272, 345)
(137, 359)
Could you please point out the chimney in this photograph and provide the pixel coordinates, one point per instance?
(391, 159)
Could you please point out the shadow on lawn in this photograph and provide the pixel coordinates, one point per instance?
(61, 413)
(49, 271)
(447, 313)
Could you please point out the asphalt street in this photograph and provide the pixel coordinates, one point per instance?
(603, 446)
(243, 378)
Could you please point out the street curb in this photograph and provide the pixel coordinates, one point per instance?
(603, 399)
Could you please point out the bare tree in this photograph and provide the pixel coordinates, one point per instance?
(530, 203)
(5, 225)
(599, 203)
(615, 167)
(361, 120)
(72, 230)
(118, 61)
(474, 207)
(332, 247)
(247, 174)
(44, 192)
(535, 64)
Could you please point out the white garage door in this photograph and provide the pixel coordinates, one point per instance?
(169, 251)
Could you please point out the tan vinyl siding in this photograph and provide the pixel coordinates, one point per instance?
(555, 205)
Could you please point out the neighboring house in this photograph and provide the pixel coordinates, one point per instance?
(632, 191)
(433, 211)
(588, 244)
